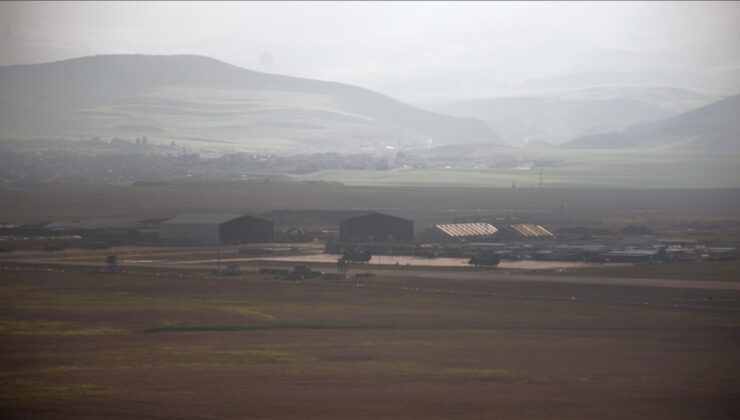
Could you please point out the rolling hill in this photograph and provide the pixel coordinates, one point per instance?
(532, 120)
(203, 101)
(712, 128)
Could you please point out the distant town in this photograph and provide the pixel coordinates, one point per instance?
(137, 159)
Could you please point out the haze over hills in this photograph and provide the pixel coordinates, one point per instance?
(204, 101)
(555, 116)
(645, 78)
(676, 100)
(524, 120)
(712, 128)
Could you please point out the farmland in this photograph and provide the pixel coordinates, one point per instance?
(170, 343)
(562, 168)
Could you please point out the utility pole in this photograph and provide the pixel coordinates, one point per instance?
(562, 214)
(542, 179)
(218, 257)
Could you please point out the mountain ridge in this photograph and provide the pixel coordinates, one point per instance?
(76, 96)
(713, 127)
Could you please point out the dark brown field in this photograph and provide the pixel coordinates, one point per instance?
(35, 204)
(185, 345)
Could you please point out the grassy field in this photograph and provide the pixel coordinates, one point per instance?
(660, 168)
(169, 344)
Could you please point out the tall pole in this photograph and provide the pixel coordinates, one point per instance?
(218, 258)
(562, 214)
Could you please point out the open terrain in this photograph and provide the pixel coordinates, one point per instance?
(44, 203)
(167, 338)
(478, 210)
(167, 343)
(499, 167)
(192, 104)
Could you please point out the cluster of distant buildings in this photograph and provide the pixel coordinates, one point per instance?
(375, 232)
(373, 227)
(387, 234)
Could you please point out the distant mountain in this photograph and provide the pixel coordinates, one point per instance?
(528, 120)
(634, 78)
(204, 101)
(673, 99)
(714, 127)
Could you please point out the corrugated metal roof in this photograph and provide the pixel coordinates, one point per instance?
(458, 230)
(203, 218)
(531, 230)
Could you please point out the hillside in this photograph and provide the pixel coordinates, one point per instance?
(204, 101)
(531, 120)
(712, 128)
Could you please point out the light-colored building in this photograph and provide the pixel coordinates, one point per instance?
(526, 231)
(464, 232)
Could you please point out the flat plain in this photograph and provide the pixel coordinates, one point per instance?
(44, 203)
(166, 339)
(157, 343)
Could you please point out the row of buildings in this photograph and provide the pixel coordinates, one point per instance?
(215, 228)
(374, 232)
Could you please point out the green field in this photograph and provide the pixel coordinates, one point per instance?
(657, 168)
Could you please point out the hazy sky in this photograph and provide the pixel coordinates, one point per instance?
(415, 51)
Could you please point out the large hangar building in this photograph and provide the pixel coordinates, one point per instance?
(376, 227)
(216, 228)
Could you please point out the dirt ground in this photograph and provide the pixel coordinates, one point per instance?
(309, 254)
(185, 344)
(410, 261)
(133, 259)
